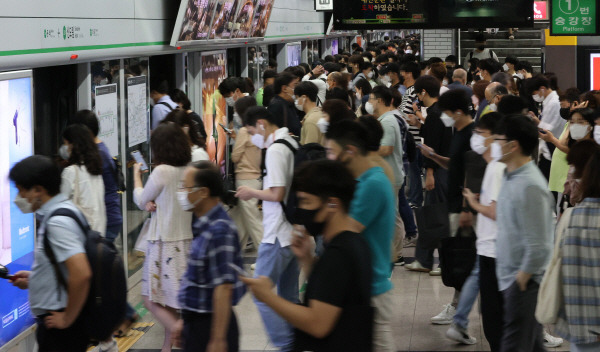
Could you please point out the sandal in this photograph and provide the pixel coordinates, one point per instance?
(126, 325)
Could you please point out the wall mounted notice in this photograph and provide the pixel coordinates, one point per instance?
(137, 110)
(108, 116)
(17, 230)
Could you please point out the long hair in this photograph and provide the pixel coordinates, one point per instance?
(84, 150)
(182, 119)
(170, 145)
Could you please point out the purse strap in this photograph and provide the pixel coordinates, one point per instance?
(76, 186)
(561, 228)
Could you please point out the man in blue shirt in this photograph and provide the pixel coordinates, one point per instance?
(525, 232)
(374, 210)
(58, 328)
(163, 104)
(210, 286)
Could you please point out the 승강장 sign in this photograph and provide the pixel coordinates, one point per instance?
(574, 17)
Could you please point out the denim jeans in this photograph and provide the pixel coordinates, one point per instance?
(112, 232)
(280, 265)
(415, 183)
(406, 213)
(468, 295)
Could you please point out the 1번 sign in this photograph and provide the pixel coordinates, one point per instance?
(574, 17)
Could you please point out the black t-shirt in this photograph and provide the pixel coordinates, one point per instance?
(435, 135)
(342, 277)
(459, 146)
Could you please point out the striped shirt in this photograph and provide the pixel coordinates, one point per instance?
(406, 108)
(214, 247)
(579, 319)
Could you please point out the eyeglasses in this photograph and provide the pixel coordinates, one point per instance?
(181, 186)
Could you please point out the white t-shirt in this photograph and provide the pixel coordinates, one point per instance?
(199, 154)
(487, 229)
(321, 85)
(279, 162)
(90, 199)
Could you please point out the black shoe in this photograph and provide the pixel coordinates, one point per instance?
(399, 261)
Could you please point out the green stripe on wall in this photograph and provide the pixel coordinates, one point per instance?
(77, 48)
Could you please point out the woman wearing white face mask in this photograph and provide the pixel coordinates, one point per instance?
(169, 233)
(579, 127)
(363, 90)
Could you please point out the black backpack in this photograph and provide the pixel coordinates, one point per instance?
(306, 152)
(119, 177)
(409, 145)
(104, 309)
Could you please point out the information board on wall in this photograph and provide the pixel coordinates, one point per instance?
(574, 17)
(388, 14)
(108, 116)
(137, 110)
(17, 229)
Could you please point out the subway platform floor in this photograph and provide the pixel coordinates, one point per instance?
(417, 298)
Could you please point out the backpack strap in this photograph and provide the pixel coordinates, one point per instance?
(470, 55)
(166, 104)
(287, 144)
(491, 53)
(48, 249)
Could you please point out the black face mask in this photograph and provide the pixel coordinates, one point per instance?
(481, 47)
(307, 219)
(564, 113)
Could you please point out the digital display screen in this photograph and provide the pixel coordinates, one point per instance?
(223, 22)
(388, 14)
(334, 47)
(262, 14)
(294, 55)
(18, 229)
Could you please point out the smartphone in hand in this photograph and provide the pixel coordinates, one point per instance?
(227, 130)
(137, 156)
(239, 270)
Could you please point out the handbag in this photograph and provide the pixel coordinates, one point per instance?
(433, 224)
(457, 258)
(141, 243)
(550, 295)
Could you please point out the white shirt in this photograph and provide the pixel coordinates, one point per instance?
(199, 154)
(90, 197)
(169, 222)
(322, 85)
(443, 89)
(279, 162)
(487, 229)
(550, 118)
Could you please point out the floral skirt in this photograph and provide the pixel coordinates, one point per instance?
(165, 265)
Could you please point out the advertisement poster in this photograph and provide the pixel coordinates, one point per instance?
(197, 20)
(294, 53)
(261, 18)
(243, 21)
(137, 111)
(223, 23)
(214, 108)
(108, 116)
(18, 230)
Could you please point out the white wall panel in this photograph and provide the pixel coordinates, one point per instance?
(294, 18)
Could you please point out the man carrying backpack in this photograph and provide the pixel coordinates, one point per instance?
(57, 309)
(275, 258)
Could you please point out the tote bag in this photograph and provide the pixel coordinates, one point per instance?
(550, 295)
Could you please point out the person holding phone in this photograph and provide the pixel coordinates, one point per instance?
(336, 314)
(210, 286)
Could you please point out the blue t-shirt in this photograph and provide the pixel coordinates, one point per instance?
(374, 207)
(112, 198)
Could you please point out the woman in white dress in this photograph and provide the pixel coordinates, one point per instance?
(170, 231)
(82, 180)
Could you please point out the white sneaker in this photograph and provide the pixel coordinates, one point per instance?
(445, 317)
(436, 272)
(106, 347)
(461, 335)
(416, 266)
(551, 341)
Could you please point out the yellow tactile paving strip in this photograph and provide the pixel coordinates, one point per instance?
(133, 335)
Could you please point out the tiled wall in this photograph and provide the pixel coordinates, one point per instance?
(437, 43)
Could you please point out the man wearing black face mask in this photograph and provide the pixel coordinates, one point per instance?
(336, 314)
(480, 52)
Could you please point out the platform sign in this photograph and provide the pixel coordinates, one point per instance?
(574, 17)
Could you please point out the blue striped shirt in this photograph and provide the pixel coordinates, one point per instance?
(214, 247)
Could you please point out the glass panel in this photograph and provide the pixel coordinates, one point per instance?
(253, 66)
(137, 111)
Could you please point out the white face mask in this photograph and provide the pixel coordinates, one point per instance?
(408, 51)
(505, 67)
(258, 140)
(520, 75)
(385, 80)
(496, 152)
(23, 205)
(447, 120)
(538, 98)
(444, 83)
(578, 131)
(323, 125)
(327, 86)
(230, 101)
(478, 143)
(63, 151)
(184, 202)
(493, 107)
(369, 108)
(298, 105)
(597, 133)
(371, 74)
